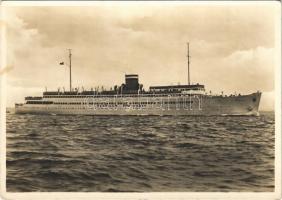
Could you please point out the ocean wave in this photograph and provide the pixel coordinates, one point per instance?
(140, 153)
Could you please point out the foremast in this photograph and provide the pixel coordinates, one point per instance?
(70, 68)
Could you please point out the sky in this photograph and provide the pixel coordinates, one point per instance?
(232, 46)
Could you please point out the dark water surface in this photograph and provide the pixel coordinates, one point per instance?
(142, 153)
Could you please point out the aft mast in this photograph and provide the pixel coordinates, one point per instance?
(188, 62)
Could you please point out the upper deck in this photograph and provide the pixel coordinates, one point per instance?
(131, 87)
(176, 88)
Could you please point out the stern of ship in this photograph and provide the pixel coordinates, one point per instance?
(18, 108)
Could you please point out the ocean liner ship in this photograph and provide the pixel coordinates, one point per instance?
(130, 98)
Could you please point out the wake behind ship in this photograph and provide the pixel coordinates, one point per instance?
(131, 99)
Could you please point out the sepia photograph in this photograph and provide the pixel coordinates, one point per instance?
(127, 100)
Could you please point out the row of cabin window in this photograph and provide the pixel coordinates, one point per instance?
(111, 108)
(107, 103)
(112, 103)
(33, 98)
(114, 96)
(176, 89)
(39, 102)
(68, 108)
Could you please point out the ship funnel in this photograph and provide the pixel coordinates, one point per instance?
(131, 82)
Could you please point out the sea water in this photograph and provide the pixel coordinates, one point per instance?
(53, 153)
